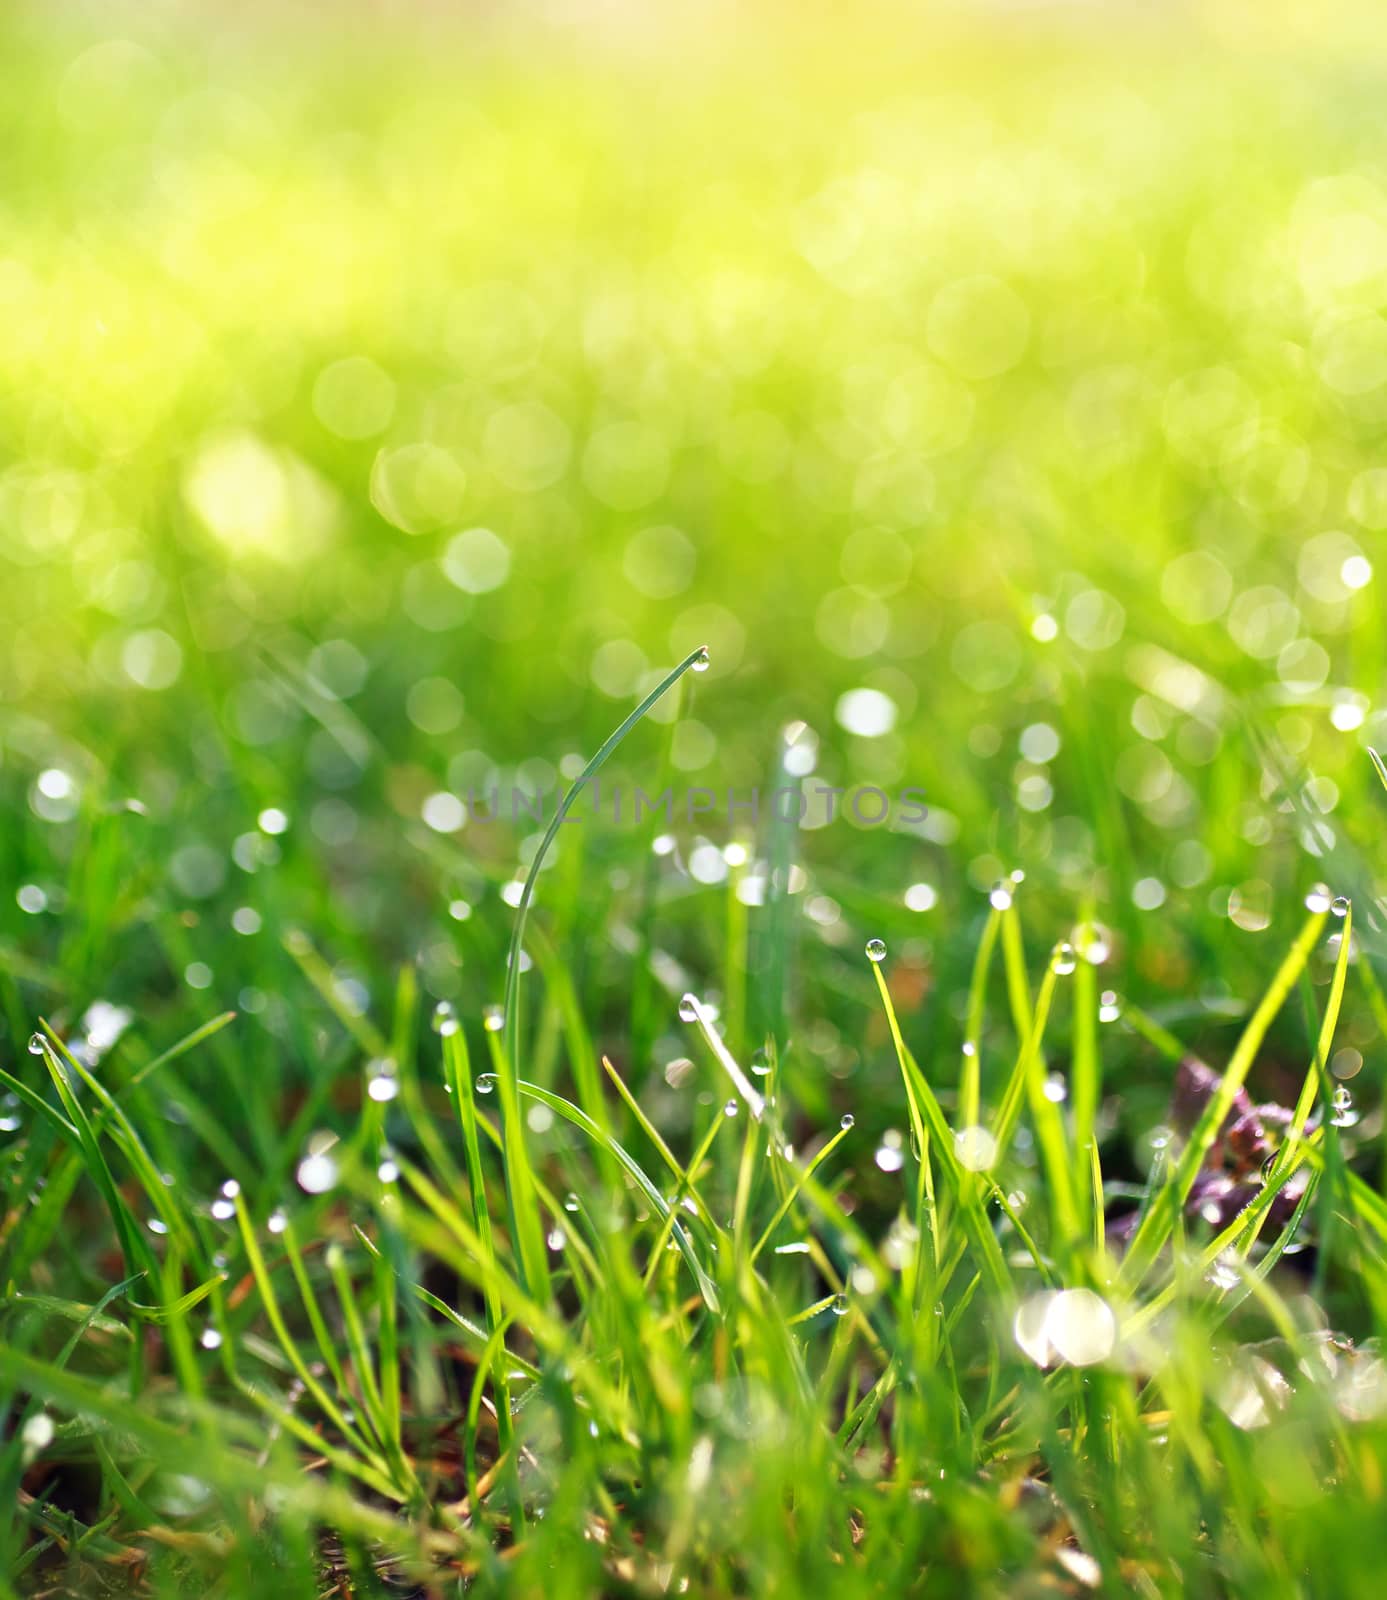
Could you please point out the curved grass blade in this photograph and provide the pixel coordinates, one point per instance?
(1287, 1156)
(633, 1168)
(928, 1120)
(1155, 1227)
(524, 1211)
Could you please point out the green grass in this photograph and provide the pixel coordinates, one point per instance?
(398, 1207)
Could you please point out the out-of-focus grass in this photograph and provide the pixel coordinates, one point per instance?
(382, 412)
(905, 366)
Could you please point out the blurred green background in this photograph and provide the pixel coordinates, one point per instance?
(388, 395)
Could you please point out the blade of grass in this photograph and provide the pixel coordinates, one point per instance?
(524, 1211)
(1156, 1225)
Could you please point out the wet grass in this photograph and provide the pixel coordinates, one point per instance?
(401, 1200)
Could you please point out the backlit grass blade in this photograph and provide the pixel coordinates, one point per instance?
(683, 1192)
(644, 1123)
(113, 1118)
(927, 1117)
(1225, 1240)
(1052, 1142)
(139, 1258)
(379, 1393)
(190, 1041)
(458, 1070)
(970, 1086)
(801, 1178)
(1315, 1074)
(311, 963)
(289, 1345)
(1156, 1226)
(1014, 966)
(636, 1172)
(1028, 1062)
(1085, 1079)
(751, 1098)
(524, 1211)
(456, 1243)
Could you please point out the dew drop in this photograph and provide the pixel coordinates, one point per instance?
(37, 1434)
(445, 1019)
(1001, 895)
(493, 1019)
(1339, 905)
(730, 1109)
(317, 1173)
(840, 1305)
(1342, 1114)
(760, 1063)
(383, 1087)
(1062, 958)
(975, 1149)
(1267, 1166)
(570, 1201)
(847, 1121)
(1318, 898)
(1080, 1327)
(37, 1044)
(388, 1172)
(688, 1009)
(277, 1222)
(701, 660)
(1109, 1006)
(486, 1082)
(876, 949)
(556, 1239)
(211, 1339)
